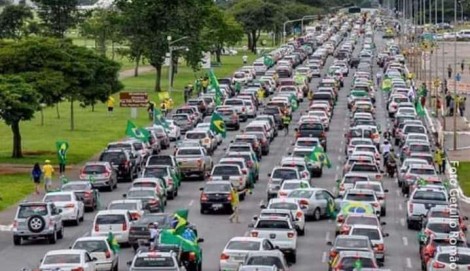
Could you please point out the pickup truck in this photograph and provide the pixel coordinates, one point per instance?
(232, 173)
(280, 231)
(420, 202)
(193, 161)
(152, 260)
(313, 129)
(164, 160)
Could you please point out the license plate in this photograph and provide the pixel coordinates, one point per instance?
(217, 206)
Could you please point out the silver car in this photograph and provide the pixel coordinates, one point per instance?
(317, 201)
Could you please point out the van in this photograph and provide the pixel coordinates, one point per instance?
(118, 222)
(260, 68)
(463, 34)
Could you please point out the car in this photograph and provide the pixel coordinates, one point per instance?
(71, 259)
(442, 211)
(72, 206)
(129, 146)
(237, 248)
(289, 185)
(433, 243)
(377, 187)
(99, 248)
(230, 116)
(152, 260)
(204, 137)
(376, 236)
(446, 258)
(216, 196)
(173, 130)
(121, 161)
(151, 201)
(232, 173)
(34, 220)
(346, 260)
(358, 219)
(139, 229)
(294, 207)
(367, 196)
(417, 172)
(267, 259)
(100, 174)
(171, 181)
(349, 243)
(316, 200)
(164, 160)
(277, 176)
(134, 206)
(300, 163)
(348, 181)
(193, 161)
(118, 222)
(369, 169)
(404, 168)
(85, 191)
(440, 228)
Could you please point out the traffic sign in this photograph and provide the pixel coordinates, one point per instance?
(133, 99)
(458, 77)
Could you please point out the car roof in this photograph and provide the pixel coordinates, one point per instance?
(247, 239)
(360, 191)
(92, 238)
(125, 201)
(282, 200)
(65, 251)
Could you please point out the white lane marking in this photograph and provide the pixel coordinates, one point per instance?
(398, 192)
(400, 206)
(408, 263)
(327, 237)
(405, 241)
(337, 168)
(342, 142)
(6, 227)
(402, 221)
(340, 149)
(191, 203)
(323, 257)
(334, 189)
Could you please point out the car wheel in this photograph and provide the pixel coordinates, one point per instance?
(17, 240)
(242, 196)
(293, 257)
(171, 195)
(52, 238)
(383, 212)
(202, 211)
(302, 231)
(116, 267)
(60, 234)
(36, 223)
(110, 188)
(316, 214)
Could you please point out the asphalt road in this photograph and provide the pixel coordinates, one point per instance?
(312, 252)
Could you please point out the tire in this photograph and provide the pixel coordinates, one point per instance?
(242, 196)
(202, 211)
(302, 232)
(110, 188)
(52, 238)
(36, 224)
(60, 234)
(383, 212)
(316, 215)
(83, 217)
(171, 195)
(17, 240)
(293, 257)
(116, 267)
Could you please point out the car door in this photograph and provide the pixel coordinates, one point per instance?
(81, 205)
(55, 215)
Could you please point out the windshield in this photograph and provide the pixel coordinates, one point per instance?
(141, 194)
(110, 219)
(154, 261)
(189, 152)
(360, 197)
(113, 157)
(361, 220)
(373, 234)
(443, 227)
(244, 245)
(94, 169)
(57, 198)
(226, 171)
(62, 259)
(75, 187)
(284, 174)
(91, 246)
(420, 148)
(364, 168)
(155, 172)
(123, 206)
(214, 188)
(351, 243)
(195, 135)
(430, 195)
(283, 205)
(29, 210)
(265, 261)
(233, 102)
(349, 263)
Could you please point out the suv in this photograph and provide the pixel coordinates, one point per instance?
(37, 220)
(121, 161)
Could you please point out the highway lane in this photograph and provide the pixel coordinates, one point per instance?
(402, 248)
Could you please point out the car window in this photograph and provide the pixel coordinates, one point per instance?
(62, 259)
(226, 171)
(351, 243)
(349, 263)
(360, 197)
(140, 193)
(283, 206)
(373, 234)
(213, 188)
(195, 135)
(420, 148)
(272, 224)
(443, 227)
(75, 186)
(189, 152)
(113, 157)
(301, 194)
(155, 172)
(30, 210)
(123, 206)
(364, 168)
(422, 171)
(157, 261)
(265, 261)
(118, 146)
(352, 220)
(456, 258)
(244, 245)
(91, 246)
(94, 169)
(284, 174)
(110, 219)
(160, 160)
(57, 198)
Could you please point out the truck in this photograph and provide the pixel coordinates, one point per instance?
(193, 161)
(420, 202)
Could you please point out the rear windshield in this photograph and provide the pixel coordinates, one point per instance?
(226, 171)
(272, 224)
(244, 245)
(351, 242)
(233, 102)
(364, 168)
(160, 160)
(195, 135)
(373, 187)
(189, 152)
(30, 210)
(284, 174)
(414, 129)
(75, 187)
(157, 261)
(349, 263)
(138, 146)
(442, 227)
(373, 234)
(360, 197)
(429, 195)
(422, 171)
(118, 146)
(217, 187)
(177, 118)
(239, 148)
(254, 129)
(152, 172)
(110, 219)
(91, 246)
(352, 220)
(62, 259)
(457, 258)
(113, 157)
(311, 126)
(420, 148)
(140, 193)
(354, 179)
(292, 186)
(265, 261)
(283, 205)
(94, 169)
(56, 198)
(123, 206)
(307, 143)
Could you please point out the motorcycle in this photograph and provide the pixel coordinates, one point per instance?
(391, 168)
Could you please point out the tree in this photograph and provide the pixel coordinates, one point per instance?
(58, 15)
(221, 30)
(18, 102)
(13, 20)
(152, 21)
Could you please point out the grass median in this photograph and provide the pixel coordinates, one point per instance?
(463, 172)
(93, 130)
(13, 188)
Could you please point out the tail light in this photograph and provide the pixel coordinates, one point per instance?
(107, 173)
(303, 202)
(410, 207)
(70, 205)
(322, 134)
(88, 194)
(340, 219)
(290, 235)
(299, 214)
(204, 197)
(282, 194)
(82, 174)
(240, 181)
(381, 197)
(243, 109)
(244, 171)
(153, 202)
(199, 162)
(229, 197)
(192, 257)
(333, 254)
(380, 247)
(249, 164)
(107, 253)
(378, 176)
(127, 163)
(97, 228)
(254, 234)
(170, 181)
(439, 265)
(15, 224)
(78, 269)
(124, 226)
(224, 256)
(375, 205)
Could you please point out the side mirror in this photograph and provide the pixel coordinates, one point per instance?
(124, 195)
(303, 207)
(129, 263)
(386, 235)
(269, 174)
(255, 217)
(338, 181)
(465, 218)
(262, 206)
(200, 240)
(385, 190)
(201, 188)
(383, 223)
(251, 225)
(381, 171)
(329, 243)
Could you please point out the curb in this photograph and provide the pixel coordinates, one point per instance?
(6, 228)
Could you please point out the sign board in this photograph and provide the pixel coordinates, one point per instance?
(461, 87)
(133, 99)
(426, 61)
(206, 60)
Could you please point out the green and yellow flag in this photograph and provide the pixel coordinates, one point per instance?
(113, 243)
(135, 132)
(215, 85)
(158, 119)
(331, 209)
(62, 148)
(217, 125)
(319, 155)
(419, 109)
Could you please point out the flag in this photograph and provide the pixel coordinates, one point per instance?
(421, 237)
(319, 155)
(168, 237)
(386, 84)
(91, 179)
(163, 95)
(135, 132)
(422, 182)
(358, 265)
(331, 208)
(158, 119)
(218, 125)
(215, 85)
(113, 243)
(62, 147)
(268, 61)
(64, 180)
(419, 109)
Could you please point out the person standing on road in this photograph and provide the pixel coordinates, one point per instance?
(438, 160)
(462, 65)
(110, 104)
(235, 201)
(449, 71)
(286, 122)
(47, 171)
(443, 158)
(462, 105)
(245, 59)
(451, 106)
(154, 234)
(36, 174)
(379, 78)
(205, 84)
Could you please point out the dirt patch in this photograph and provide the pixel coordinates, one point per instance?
(39, 152)
(13, 170)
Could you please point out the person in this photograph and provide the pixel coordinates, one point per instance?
(47, 171)
(238, 87)
(386, 147)
(154, 233)
(150, 109)
(36, 174)
(205, 84)
(198, 84)
(110, 104)
(379, 78)
(235, 206)
(163, 107)
(438, 160)
(451, 106)
(462, 106)
(285, 122)
(462, 65)
(169, 105)
(424, 94)
(391, 159)
(186, 94)
(297, 133)
(448, 99)
(443, 158)
(245, 59)
(449, 71)
(260, 94)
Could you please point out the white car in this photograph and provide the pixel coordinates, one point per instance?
(73, 208)
(300, 164)
(294, 207)
(174, 132)
(206, 126)
(379, 192)
(237, 248)
(135, 207)
(68, 259)
(289, 185)
(117, 222)
(99, 248)
(366, 196)
(376, 237)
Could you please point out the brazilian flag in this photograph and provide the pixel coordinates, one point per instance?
(217, 125)
(357, 265)
(387, 84)
(215, 85)
(419, 109)
(422, 182)
(293, 102)
(113, 243)
(331, 209)
(319, 155)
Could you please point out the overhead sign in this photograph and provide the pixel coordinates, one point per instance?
(206, 60)
(133, 99)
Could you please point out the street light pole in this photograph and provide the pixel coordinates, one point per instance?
(170, 61)
(455, 81)
(306, 17)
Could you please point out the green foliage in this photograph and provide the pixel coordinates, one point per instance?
(13, 20)
(57, 16)
(13, 188)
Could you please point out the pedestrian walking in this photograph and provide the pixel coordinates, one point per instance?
(462, 102)
(205, 84)
(110, 104)
(163, 107)
(462, 65)
(286, 122)
(154, 233)
(451, 107)
(47, 171)
(448, 99)
(379, 78)
(235, 202)
(449, 71)
(245, 59)
(443, 158)
(36, 174)
(438, 160)
(150, 109)
(186, 94)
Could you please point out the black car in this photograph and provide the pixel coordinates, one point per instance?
(216, 196)
(139, 229)
(121, 161)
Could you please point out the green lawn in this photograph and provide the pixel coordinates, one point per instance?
(93, 130)
(13, 188)
(463, 172)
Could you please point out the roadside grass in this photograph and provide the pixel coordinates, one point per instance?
(13, 188)
(463, 172)
(93, 130)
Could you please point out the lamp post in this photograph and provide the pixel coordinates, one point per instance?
(284, 28)
(170, 59)
(455, 81)
(306, 17)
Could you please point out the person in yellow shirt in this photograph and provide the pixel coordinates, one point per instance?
(47, 171)
(235, 206)
(110, 104)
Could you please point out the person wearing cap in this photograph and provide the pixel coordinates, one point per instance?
(385, 150)
(154, 233)
(47, 171)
